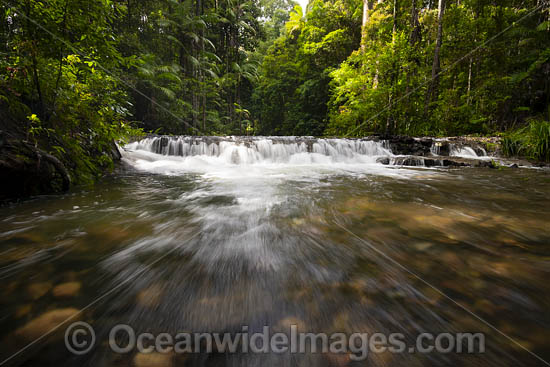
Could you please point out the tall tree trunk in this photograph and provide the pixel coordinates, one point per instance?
(203, 86)
(415, 38)
(436, 67)
(469, 81)
(394, 15)
(196, 74)
(416, 32)
(366, 17)
(128, 16)
(375, 81)
(60, 62)
(30, 37)
(391, 121)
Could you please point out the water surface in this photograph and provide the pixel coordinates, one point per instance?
(270, 235)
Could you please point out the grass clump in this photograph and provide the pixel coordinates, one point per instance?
(531, 141)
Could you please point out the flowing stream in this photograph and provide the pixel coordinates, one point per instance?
(211, 234)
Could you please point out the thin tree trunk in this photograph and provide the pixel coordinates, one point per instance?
(436, 67)
(391, 123)
(37, 85)
(375, 81)
(203, 89)
(60, 67)
(204, 112)
(196, 75)
(469, 81)
(366, 18)
(128, 16)
(36, 78)
(416, 33)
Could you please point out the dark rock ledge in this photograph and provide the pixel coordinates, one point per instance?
(419, 161)
(28, 170)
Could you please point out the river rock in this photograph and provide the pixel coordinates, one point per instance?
(65, 290)
(338, 359)
(452, 260)
(444, 148)
(423, 246)
(154, 360)
(406, 145)
(23, 311)
(45, 323)
(284, 325)
(37, 290)
(429, 162)
(454, 163)
(341, 322)
(150, 297)
(9, 288)
(409, 161)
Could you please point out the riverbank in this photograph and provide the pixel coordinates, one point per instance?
(30, 168)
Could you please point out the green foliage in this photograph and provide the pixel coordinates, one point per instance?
(384, 88)
(531, 141)
(293, 89)
(74, 108)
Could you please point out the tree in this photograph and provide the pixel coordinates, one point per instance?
(436, 67)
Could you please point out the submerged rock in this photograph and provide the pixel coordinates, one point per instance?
(285, 324)
(65, 290)
(338, 359)
(37, 290)
(23, 311)
(154, 360)
(150, 297)
(422, 246)
(45, 323)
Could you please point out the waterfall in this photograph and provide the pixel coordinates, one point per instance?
(442, 147)
(435, 148)
(256, 150)
(466, 152)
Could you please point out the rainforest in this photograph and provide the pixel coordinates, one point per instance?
(329, 183)
(77, 75)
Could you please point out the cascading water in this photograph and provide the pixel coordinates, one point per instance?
(435, 148)
(251, 150)
(253, 175)
(443, 147)
(466, 152)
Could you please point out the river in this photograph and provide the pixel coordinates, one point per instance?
(211, 235)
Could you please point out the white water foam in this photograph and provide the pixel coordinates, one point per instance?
(467, 152)
(267, 150)
(265, 158)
